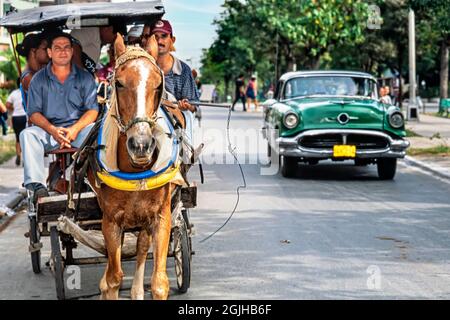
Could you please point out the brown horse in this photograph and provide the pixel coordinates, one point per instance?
(138, 88)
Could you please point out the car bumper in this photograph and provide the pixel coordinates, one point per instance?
(396, 148)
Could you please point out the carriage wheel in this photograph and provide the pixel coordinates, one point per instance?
(35, 238)
(182, 255)
(57, 263)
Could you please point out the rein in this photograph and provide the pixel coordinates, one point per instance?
(133, 53)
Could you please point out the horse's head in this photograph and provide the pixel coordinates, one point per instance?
(139, 86)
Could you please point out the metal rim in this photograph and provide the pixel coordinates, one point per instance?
(57, 264)
(182, 256)
(35, 239)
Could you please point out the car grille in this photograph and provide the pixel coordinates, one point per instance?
(327, 141)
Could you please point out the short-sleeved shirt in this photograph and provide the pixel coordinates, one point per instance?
(62, 104)
(239, 87)
(180, 82)
(15, 98)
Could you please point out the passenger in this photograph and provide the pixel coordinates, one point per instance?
(178, 75)
(62, 105)
(105, 73)
(34, 49)
(88, 43)
(134, 35)
(387, 97)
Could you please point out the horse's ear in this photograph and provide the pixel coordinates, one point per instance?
(119, 46)
(152, 47)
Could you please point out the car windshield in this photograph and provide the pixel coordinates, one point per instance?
(330, 86)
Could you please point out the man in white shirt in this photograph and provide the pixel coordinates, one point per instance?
(19, 118)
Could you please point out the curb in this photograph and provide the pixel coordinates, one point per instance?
(12, 204)
(433, 169)
(19, 196)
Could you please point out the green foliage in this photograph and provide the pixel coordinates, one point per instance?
(442, 150)
(435, 11)
(270, 36)
(7, 150)
(8, 67)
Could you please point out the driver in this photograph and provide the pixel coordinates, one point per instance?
(177, 75)
(62, 105)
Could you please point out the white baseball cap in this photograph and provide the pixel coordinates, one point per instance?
(135, 31)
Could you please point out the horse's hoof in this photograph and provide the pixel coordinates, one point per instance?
(160, 294)
(137, 295)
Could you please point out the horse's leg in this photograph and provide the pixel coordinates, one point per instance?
(161, 236)
(112, 278)
(143, 244)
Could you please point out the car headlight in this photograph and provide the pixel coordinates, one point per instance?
(396, 120)
(290, 120)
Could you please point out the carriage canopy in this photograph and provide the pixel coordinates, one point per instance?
(74, 16)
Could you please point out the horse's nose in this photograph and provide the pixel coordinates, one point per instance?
(140, 145)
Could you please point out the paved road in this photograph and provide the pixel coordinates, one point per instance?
(333, 232)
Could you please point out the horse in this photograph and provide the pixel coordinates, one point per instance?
(139, 84)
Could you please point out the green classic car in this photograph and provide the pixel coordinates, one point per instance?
(337, 115)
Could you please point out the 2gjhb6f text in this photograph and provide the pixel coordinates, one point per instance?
(236, 310)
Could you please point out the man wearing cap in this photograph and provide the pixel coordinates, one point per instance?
(62, 105)
(134, 35)
(177, 74)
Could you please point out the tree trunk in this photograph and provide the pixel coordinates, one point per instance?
(400, 86)
(444, 70)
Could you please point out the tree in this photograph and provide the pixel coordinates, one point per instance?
(436, 14)
(230, 54)
(307, 29)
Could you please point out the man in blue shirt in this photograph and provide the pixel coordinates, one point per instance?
(177, 75)
(62, 105)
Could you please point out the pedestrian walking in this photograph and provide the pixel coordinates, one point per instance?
(3, 118)
(14, 104)
(251, 93)
(239, 92)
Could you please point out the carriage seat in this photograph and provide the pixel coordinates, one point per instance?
(62, 151)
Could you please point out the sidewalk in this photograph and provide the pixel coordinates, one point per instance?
(434, 132)
(11, 190)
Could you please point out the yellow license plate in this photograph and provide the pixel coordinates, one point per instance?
(344, 151)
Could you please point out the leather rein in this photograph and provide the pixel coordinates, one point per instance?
(133, 53)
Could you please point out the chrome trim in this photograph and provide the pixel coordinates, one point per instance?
(334, 73)
(291, 147)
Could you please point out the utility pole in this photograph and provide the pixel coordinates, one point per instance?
(412, 109)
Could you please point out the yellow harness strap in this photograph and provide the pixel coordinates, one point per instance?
(138, 185)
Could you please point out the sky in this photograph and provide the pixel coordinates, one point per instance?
(192, 23)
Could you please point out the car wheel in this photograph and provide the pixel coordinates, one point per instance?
(387, 168)
(289, 166)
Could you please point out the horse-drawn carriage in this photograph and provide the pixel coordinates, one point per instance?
(80, 196)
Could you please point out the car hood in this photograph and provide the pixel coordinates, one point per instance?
(323, 113)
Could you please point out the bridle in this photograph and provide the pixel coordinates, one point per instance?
(133, 53)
